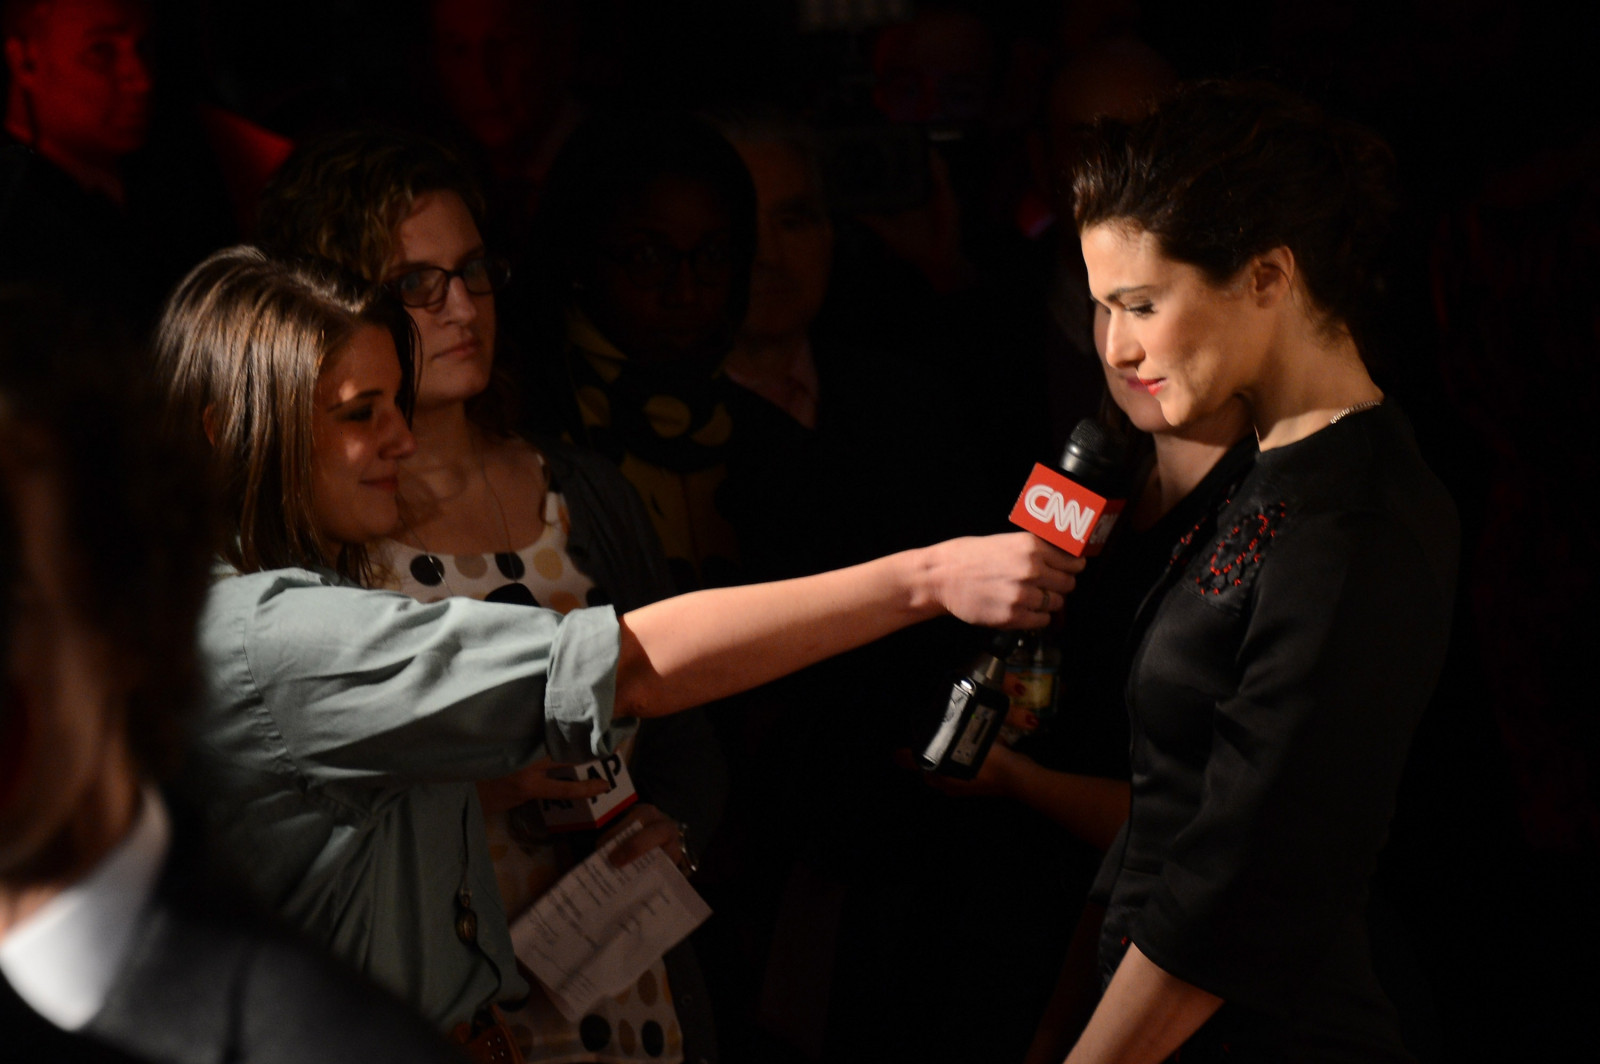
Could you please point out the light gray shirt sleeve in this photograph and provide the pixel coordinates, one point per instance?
(374, 686)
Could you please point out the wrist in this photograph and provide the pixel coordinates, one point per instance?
(1007, 768)
(926, 578)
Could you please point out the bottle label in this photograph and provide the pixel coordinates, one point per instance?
(1030, 688)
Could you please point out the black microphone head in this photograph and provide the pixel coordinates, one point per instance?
(1097, 458)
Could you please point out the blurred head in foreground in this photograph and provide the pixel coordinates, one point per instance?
(106, 533)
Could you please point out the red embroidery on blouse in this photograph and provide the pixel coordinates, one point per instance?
(1239, 549)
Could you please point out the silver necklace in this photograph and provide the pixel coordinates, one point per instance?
(508, 561)
(1355, 408)
(428, 568)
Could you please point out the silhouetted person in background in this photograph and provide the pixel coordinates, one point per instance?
(81, 85)
(97, 192)
(505, 72)
(1119, 77)
(645, 239)
(866, 408)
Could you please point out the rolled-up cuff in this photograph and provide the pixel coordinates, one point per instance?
(581, 690)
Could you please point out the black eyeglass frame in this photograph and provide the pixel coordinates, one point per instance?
(497, 271)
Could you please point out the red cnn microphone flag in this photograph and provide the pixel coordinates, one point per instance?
(1061, 511)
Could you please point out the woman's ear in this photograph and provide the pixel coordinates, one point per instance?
(1272, 276)
(209, 418)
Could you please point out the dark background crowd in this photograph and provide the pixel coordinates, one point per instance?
(943, 129)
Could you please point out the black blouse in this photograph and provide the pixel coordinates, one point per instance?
(1089, 734)
(1279, 671)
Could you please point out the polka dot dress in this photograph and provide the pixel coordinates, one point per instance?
(639, 1024)
(540, 574)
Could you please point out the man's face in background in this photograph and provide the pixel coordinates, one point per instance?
(83, 69)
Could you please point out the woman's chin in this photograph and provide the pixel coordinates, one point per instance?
(447, 383)
(384, 524)
(375, 522)
(1144, 413)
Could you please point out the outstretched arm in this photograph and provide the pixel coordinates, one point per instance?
(695, 648)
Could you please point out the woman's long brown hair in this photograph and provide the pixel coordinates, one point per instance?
(241, 342)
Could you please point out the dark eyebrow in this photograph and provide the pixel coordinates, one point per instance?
(409, 265)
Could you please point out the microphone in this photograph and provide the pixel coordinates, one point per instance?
(1074, 507)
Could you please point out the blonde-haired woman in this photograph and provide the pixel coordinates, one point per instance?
(344, 727)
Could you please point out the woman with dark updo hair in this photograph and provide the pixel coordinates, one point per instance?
(1282, 662)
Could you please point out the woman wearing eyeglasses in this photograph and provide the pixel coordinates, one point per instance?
(489, 514)
(476, 500)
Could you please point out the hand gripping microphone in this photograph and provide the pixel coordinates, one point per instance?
(1073, 507)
